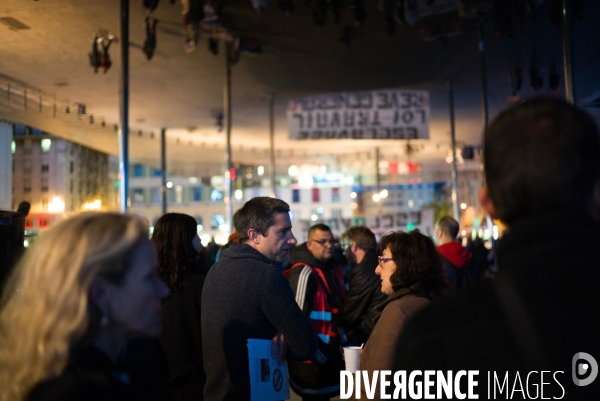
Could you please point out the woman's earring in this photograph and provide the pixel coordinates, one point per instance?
(104, 320)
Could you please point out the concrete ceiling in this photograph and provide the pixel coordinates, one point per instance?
(180, 91)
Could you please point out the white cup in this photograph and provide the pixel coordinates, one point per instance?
(352, 358)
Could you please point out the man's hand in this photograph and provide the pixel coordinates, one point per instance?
(278, 348)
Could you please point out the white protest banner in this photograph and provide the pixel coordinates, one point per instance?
(380, 114)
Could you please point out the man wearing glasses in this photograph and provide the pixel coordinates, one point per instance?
(316, 278)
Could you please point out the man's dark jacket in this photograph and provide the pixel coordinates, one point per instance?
(363, 295)
(322, 375)
(536, 315)
(246, 296)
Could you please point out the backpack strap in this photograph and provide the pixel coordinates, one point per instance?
(287, 271)
(519, 323)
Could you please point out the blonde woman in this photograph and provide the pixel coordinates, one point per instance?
(89, 284)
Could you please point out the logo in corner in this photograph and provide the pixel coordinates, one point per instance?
(584, 365)
(277, 380)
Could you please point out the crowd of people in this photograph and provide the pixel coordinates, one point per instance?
(97, 311)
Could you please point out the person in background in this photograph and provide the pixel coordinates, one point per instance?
(232, 240)
(455, 258)
(479, 263)
(411, 274)
(246, 296)
(87, 286)
(542, 173)
(318, 283)
(364, 285)
(180, 267)
(24, 208)
(211, 250)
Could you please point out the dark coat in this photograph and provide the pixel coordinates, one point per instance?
(535, 316)
(89, 376)
(181, 339)
(246, 296)
(362, 297)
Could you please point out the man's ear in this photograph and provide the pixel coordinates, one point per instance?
(309, 245)
(486, 202)
(253, 236)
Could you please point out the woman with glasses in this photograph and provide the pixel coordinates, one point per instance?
(411, 274)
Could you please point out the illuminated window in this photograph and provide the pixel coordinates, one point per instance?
(217, 220)
(178, 194)
(13, 147)
(138, 170)
(46, 144)
(335, 194)
(316, 195)
(138, 195)
(216, 195)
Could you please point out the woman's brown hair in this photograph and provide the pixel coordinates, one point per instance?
(418, 265)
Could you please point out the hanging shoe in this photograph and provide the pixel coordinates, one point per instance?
(213, 45)
(535, 78)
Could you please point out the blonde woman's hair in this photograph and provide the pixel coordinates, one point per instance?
(45, 311)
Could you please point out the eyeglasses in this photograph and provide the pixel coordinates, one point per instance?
(383, 259)
(323, 242)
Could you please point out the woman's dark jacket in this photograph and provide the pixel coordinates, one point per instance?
(90, 376)
(181, 339)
